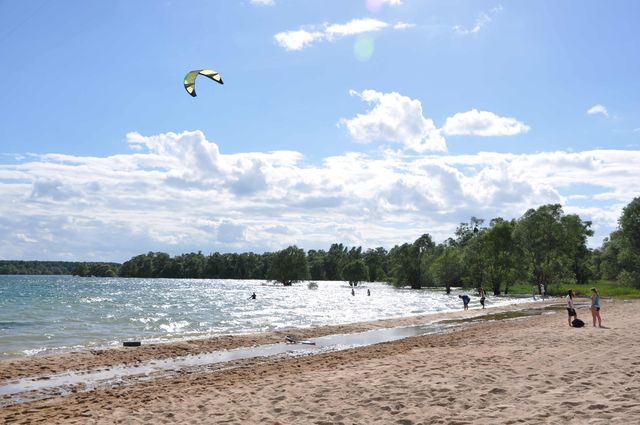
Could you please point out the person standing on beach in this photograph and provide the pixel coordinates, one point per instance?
(542, 291)
(482, 296)
(595, 307)
(465, 300)
(570, 307)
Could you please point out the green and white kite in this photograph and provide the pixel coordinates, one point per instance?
(190, 79)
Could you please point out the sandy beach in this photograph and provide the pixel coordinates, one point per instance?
(533, 370)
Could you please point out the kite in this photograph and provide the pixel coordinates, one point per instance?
(190, 79)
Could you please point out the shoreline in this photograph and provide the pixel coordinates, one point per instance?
(534, 370)
(50, 364)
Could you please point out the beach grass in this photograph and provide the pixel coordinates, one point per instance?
(606, 288)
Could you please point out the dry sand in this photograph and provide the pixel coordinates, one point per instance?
(529, 370)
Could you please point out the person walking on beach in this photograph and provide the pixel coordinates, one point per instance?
(595, 307)
(253, 296)
(368, 293)
(570, 307)
(353, 292)
(482, 296)
(465, 300)
(542, 291)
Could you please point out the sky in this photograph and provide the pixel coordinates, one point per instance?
(365, 122)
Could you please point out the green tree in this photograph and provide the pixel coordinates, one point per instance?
(81, 270)
(540, 234)
(316, 261)
(289, 266)
(621, 253)
(334, 261)
(355, 271)
(377, 264)
(578, 256)
(494, 256)
(630, 224)
(447, 268)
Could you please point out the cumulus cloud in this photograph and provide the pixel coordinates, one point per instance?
(400, 119)
(483, 123)
(305, 37)
(353, 27)
(298, 40)
(598, 109)
(82, 208)
(376, 5)
(483, 19)
(394, 118)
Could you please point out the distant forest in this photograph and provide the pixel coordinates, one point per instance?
(543, 247)
(57, 267)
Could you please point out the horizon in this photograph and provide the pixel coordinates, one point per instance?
(366, 123)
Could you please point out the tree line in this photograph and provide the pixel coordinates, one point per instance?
(15, 267)
(542, 247)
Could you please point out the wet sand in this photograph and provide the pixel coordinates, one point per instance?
(527, 370)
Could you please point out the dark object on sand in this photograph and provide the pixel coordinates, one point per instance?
(290, 339)
(131, 344)
(577, 323)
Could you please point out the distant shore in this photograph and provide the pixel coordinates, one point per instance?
(533, 370)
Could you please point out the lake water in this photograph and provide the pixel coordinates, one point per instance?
(45, 314)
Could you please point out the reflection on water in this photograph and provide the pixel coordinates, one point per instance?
(41, 314)
(35, 388)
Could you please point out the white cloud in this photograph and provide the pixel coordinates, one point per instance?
(354, 26)
(305, 37)
(394, 118)
(483, 123)
(598, 109)
(376, 5)
(403, 25)
(297, 40)
(263, 2)
(399, 119)
(162, 197)
(483, 19)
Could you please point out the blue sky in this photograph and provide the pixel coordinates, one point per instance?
(365, 122)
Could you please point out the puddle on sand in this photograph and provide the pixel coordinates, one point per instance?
(36, 388)
(506, 315)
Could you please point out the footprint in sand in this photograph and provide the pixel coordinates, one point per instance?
(597, 406)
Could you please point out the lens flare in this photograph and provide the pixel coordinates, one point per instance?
(374, 5)
(363, 47)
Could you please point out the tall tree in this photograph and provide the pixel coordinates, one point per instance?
(627, 244)
(540, 234)
(376, 260)
(447, 268)
(355, 271)
(577, 254)
(502, 255)
(334, 261)
(289, 266)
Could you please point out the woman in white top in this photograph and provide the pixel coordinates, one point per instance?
(570, 308)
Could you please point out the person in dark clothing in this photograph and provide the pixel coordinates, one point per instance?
(483, 295)
(465, 299)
